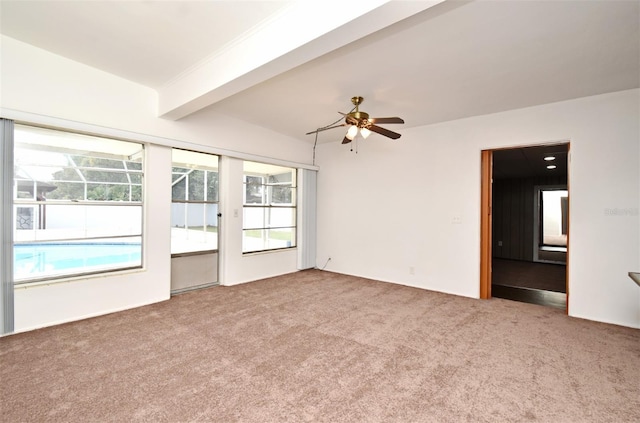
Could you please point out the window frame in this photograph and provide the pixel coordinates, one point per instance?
(267, 205)
(38, 202)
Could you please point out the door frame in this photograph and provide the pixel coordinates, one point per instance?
(486, 190)
(486, 225)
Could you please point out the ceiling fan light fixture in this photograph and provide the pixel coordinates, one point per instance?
(358, 121)
(352, 132)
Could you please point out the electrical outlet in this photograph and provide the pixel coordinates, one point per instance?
(412, 270)
(456, 220)
(499, 243)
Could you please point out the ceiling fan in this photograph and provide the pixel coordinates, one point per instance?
(358, 121)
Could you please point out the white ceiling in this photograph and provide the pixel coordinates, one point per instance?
(148, 42)
(290, 66)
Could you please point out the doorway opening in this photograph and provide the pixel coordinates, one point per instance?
(195, 220)
(525, 224)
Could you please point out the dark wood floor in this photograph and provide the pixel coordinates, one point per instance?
(537, 283)
(526, 274)
(529, 295)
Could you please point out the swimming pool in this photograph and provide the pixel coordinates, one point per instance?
(57, 259)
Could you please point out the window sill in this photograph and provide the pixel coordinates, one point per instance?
(277, 250)
(76, 278)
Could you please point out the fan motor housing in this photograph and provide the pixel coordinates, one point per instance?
(361, 117)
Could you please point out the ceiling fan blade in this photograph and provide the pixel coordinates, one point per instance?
(386, 120)
(383, 131)
(346, 140)
(324, 129)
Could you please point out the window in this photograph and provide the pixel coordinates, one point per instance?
(554, 217)
(77, 204)
(194, 202)
(269, 213)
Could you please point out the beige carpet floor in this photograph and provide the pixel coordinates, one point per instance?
(317, 346)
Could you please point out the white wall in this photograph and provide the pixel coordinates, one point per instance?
(237, 267)
(47, 304)
(48, 88)
(392, 206)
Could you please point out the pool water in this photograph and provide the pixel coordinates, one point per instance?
(54, 259)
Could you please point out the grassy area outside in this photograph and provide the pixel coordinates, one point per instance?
(273, 234)
(254, 233)
(200, 228)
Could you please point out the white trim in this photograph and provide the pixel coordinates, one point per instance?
(27, 118)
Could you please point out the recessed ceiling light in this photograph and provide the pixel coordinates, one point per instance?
(549, 158)
(551, 167)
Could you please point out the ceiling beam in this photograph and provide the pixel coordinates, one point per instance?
(302, 32)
